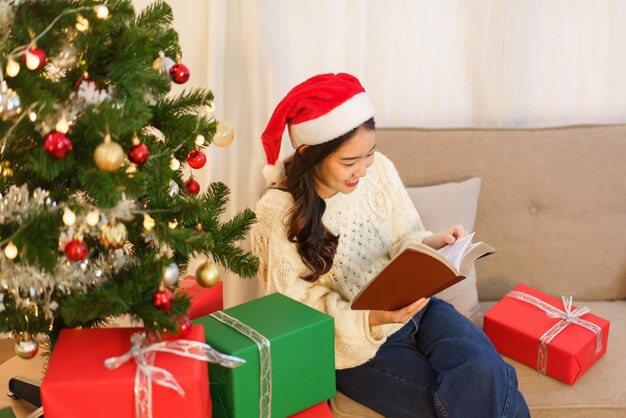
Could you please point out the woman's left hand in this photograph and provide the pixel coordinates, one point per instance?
(445, 237)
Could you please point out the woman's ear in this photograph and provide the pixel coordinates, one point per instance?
(302, 149)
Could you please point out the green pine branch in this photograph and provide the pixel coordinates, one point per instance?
(158, 14)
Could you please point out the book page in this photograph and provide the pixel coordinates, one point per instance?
(455, 252)
(474, 252)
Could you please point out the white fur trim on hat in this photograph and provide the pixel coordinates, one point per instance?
(340, 120)
(274, 173)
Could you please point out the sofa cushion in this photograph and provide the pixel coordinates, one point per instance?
(442, 206)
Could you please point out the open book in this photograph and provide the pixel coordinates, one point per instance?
(418, 272)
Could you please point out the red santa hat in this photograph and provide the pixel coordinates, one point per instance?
(322, 108)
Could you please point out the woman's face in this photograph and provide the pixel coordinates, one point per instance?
(340, 171)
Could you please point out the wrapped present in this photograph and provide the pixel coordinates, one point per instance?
(289, 353)
(115, 372)
(204, 301)
(546, 333)
(321, 410)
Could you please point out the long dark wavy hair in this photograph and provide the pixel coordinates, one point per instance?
(316, 244)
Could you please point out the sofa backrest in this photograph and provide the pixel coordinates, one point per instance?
(553, 201)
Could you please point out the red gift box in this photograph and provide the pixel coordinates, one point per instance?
(321, 410)
(77, 384)
(516, 328)
(204, 301)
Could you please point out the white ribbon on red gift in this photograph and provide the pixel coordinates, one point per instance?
(143, 353)
(568, 317)
(265, 359)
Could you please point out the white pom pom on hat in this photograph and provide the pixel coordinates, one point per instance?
(320, 109)
(274, 173)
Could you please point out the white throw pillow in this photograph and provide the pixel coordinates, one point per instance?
(442, 206)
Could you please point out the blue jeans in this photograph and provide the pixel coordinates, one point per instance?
(439, 364)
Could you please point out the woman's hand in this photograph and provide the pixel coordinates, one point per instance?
(445, 237)
(401, 316)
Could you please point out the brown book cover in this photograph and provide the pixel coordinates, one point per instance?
(416, 272)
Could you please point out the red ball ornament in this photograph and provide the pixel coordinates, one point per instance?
(57, 144)
(34, 58)
(179, 73)
(162, 300)
(75, 250)
(184, 326)
(196, 159)
(193, 186)
(138, 154)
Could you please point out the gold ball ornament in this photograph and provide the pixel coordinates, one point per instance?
(113, 234)
(224, 134)
(207, 274)
(109, 156)
(25, 346)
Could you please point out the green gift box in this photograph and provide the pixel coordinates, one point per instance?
(302, 358)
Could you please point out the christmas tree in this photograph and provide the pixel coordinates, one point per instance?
(97, 215)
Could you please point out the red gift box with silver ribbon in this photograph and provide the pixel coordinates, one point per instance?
(121, 373)
(550, 335)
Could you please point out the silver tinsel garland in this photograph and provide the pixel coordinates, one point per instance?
(29, 287)
(18, 202)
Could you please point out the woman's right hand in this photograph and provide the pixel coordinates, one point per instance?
(400, 316)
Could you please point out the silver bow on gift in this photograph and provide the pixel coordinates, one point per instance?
(568, 317)
(143, 353)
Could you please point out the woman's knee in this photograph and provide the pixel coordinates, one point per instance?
(481, 360)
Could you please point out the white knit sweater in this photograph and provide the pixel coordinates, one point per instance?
(374, 223)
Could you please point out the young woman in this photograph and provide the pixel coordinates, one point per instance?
(335, 215)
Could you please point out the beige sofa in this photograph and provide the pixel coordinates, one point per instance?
(553, 203)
